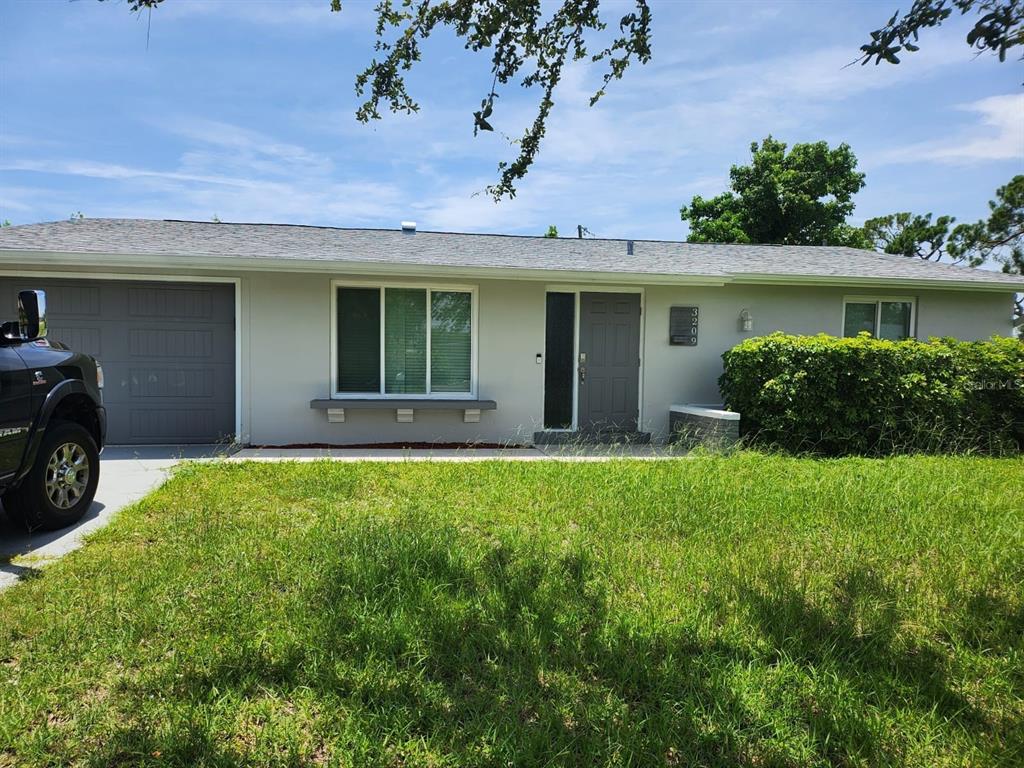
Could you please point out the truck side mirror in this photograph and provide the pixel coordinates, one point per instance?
(32, 315)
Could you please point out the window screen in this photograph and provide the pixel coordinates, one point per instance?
(405, 341)
(859, 317)
(450, 341)
(894, 320)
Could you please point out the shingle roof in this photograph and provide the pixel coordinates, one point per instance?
(282, 242)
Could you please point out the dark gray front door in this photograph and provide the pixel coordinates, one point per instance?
(609, 363)
(167, 350)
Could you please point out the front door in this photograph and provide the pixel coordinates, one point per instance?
(609, 362)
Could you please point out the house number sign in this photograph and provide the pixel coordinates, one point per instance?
(682, 326)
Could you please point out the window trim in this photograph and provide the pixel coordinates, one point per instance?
(428, 287)
(877, 301)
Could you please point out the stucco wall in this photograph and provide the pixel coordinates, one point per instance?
(674, 374)
(284, 336)
(290, 352)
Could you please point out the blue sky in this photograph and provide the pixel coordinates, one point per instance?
(245, 110)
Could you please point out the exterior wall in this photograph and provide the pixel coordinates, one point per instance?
(290, 329)
(284, 338)
(680, 375)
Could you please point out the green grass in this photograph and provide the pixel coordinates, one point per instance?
(745, 610)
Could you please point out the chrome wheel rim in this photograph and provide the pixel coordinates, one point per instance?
(67, 475)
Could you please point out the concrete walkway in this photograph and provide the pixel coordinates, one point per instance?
(127, 473)
(537, 453)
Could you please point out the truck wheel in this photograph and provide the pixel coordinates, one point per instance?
(61, 485)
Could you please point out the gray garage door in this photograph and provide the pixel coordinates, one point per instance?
(167, 349)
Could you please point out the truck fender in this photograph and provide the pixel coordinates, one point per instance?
(53, 398)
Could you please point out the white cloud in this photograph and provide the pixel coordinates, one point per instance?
(997, 135)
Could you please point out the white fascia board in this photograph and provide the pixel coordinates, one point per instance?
(999, 286)
(333, 266)
(338, 267)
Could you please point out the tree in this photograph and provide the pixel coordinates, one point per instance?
(1000, 237)
(525, 44)
(802, 197)
(552, 231)
(999, 28)
(914, 235)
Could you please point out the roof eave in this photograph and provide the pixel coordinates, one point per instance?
(846, 281)
(205, 262)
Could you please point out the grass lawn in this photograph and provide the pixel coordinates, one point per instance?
(746, 610)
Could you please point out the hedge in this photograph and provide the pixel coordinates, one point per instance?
(832, 396)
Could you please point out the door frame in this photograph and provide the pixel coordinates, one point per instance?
(59, 274)
(576, 289)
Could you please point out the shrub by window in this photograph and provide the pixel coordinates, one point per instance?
(872, 396)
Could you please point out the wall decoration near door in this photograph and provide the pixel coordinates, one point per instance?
(608, 366)
(682, 326)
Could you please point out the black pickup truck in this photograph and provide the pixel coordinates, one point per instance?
(52, 422)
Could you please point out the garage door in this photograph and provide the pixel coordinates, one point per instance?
(167, 349)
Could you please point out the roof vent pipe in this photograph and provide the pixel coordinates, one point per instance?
(409, 227)
(629, 247)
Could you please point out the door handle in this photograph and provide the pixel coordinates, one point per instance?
(583, 373)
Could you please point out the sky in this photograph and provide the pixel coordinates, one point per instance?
(244, 110)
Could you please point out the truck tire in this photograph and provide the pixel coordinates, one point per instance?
(60, 487)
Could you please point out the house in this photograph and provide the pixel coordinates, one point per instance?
(278, 334)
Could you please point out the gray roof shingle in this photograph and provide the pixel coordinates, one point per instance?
(283, 242)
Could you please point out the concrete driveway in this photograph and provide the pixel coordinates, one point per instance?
(127, 473)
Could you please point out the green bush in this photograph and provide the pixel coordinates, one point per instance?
(833, 396)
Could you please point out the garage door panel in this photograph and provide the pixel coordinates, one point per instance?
(167, 349)
(156, 382)
(83, 338)
(140, 426)
(130, 342)
(178, 303)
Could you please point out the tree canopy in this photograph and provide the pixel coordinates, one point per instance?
(998, 238)
(909, 234)
(999, 27)
(799, 197)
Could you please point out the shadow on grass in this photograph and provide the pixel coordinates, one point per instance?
(20, 572)
(993, 623)
(859, 641)
(416, 639)
(484, 652)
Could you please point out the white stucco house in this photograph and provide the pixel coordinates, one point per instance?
(279, 335)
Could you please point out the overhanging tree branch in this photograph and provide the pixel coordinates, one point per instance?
(999, 28)
(521, 42)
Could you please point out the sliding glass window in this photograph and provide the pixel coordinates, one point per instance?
(400, 342)
(882, 318)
